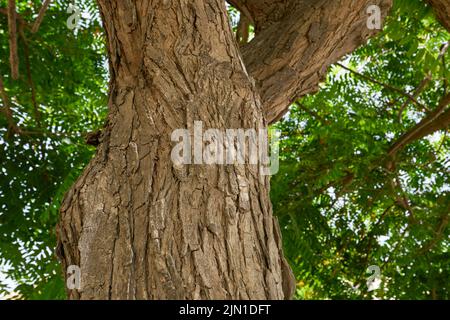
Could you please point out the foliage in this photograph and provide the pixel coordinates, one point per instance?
(69, 81)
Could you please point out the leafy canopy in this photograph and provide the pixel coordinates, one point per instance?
(344, 203)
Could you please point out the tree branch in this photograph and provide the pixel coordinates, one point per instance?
(288, 58)
(437, 120)
(19, 18)
(242, 33)
(40, 16)
(385, 85)
(423, 84)
(261, 13)
(439, 232)
(6, 110)
(37, 114)
(442, 10)
(12, 26)
(312, 113)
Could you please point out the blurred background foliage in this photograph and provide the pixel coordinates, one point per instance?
(60, 96)
(345, 201)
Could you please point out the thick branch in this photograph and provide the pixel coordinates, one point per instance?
(437, 120)
(262, 13)
(289, 58)
(40, 17)
(423, 84)
(12, 26)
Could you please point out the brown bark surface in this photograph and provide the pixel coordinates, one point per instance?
(289, 57)
(140, 227)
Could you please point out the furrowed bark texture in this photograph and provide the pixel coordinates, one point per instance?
(141, 228)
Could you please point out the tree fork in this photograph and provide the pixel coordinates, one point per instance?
(133, 227)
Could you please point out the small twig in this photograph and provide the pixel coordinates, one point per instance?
(403, 200)
(423, 84)
(444, 64)
(416, 94)
(434, 155)
(40, 16)
(397, 246)
(242, 33)
(12, 26)
(30, 133)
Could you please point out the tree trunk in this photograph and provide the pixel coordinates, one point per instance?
(140, 227)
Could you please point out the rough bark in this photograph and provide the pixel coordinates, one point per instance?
(141, 228)
(289, 57)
